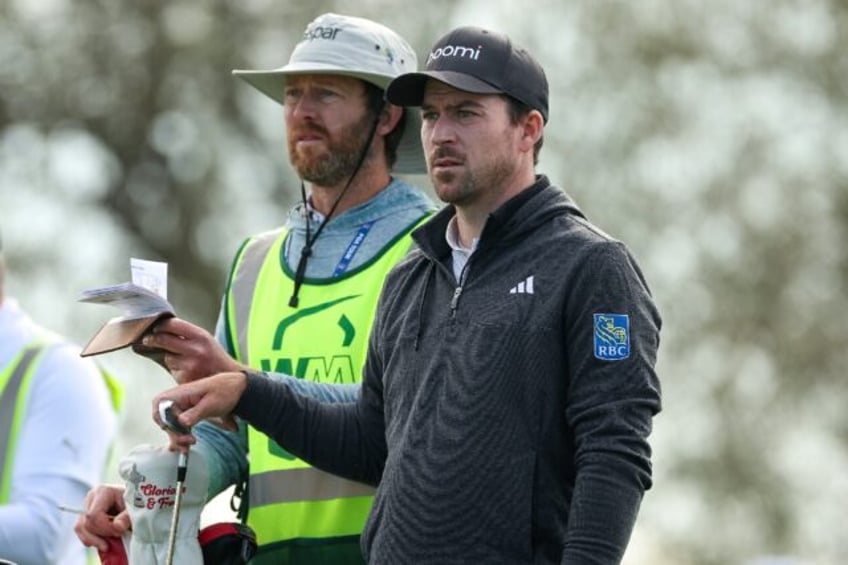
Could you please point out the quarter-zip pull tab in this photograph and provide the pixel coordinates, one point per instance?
(455, 300)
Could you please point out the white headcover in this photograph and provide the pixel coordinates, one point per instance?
(150, 474)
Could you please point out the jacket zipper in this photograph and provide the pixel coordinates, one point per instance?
(455, 300)
(457, 292)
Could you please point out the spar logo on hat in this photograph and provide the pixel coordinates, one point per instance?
(320, 32)
(477, 60)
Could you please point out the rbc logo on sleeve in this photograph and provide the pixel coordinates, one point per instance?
(612, 336)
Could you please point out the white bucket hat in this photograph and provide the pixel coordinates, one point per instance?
(356, 47)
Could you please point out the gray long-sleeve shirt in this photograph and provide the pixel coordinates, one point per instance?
(505, 416)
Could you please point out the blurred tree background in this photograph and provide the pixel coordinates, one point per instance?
(711, 137)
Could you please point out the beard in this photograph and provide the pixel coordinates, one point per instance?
(467, 185)
(335, 163)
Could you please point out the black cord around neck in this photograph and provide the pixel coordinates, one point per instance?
(306, 252)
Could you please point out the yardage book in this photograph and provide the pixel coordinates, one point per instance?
(140, 306)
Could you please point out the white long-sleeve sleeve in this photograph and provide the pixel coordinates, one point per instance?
(60, 452)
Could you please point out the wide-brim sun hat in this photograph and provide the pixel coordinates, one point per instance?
(354, 47)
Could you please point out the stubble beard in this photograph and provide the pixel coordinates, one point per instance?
(466, 187)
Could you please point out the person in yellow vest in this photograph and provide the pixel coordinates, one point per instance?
(58, 420)
(300, 299)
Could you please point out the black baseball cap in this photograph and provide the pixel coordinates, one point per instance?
(476, 60)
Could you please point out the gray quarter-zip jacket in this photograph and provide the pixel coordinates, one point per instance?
(504, 417)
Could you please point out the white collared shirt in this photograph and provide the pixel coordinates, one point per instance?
(459, 253)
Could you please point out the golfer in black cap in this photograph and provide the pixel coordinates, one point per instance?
(509, 388)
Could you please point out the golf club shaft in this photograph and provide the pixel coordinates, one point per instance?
(182, 466)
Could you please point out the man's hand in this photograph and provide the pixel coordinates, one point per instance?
(189, 352)
(105, 517)
(212, 398)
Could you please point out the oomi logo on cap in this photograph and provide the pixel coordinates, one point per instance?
(454, 51)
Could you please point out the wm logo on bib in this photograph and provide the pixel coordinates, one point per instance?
(612, 336)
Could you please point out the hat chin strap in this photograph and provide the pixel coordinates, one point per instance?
(306, 252)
